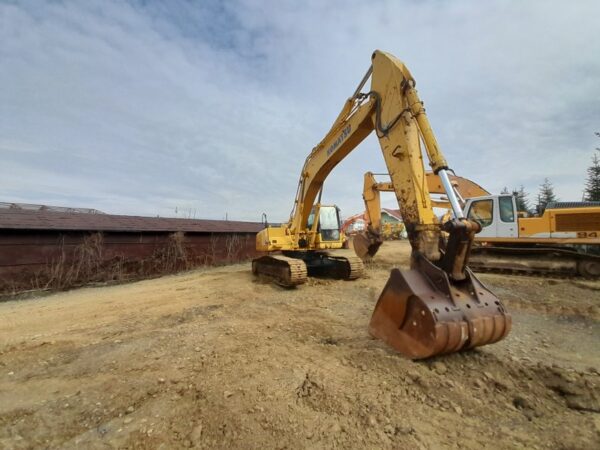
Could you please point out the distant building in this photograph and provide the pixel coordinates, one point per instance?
(34, 207)
(391, 216)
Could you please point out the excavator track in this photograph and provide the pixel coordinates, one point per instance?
(338, 264)
(354, 265)
(535, 261)
(285, 271)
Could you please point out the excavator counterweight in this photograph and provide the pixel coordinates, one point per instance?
(438, 306)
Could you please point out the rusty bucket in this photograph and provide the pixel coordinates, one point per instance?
(366, 244)
(422, 313)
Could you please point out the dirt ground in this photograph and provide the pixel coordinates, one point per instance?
(214, 358)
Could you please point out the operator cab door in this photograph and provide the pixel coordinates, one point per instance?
(496, 215)
(329, 223)
(507, 225)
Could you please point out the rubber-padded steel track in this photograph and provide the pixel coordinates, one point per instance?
(353, 264)
(357, 268)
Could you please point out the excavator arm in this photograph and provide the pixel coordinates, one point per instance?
(438, 306)
(394, 111)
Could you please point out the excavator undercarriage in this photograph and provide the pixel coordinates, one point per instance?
(292, 268)
(540, 260)
(285, 271)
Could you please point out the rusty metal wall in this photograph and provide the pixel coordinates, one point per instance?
(29, 259)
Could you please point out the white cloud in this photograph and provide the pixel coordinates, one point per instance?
(141, 108)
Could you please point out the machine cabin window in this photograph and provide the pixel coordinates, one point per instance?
(329, 223)
(482, 211)
(328, 219)
(507, 211)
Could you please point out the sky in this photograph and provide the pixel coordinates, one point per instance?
(209, 109)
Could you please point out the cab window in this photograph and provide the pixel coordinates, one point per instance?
(328, 218)
(481, 211)
(507, 212)
(311, 220)
(329, 223)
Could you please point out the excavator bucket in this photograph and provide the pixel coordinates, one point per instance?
(366, 246)
(421, 313)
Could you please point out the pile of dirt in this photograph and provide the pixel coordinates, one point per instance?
(217, 359)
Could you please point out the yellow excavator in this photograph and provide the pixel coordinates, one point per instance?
(564, 240)
(439, 305)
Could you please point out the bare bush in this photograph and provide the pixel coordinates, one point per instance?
(233, 247)
(87, 259)
(173, 256)
(213, 248)
(84, 265)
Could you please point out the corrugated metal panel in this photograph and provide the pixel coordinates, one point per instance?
(28, 250)
(563, 205)
(578, 222)
(46, 220)
(39, 259)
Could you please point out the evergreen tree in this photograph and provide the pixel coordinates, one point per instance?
(545, 196)
(505, 190)
(592, 184)
(521, 199)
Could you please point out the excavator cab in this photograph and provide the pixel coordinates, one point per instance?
(497, 215)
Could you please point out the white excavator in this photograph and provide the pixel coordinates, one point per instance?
(564, 240)
(439, 305)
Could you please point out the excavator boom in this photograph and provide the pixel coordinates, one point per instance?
(438, 306)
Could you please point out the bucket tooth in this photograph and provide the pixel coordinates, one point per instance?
(421, 314)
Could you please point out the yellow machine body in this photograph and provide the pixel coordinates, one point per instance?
(564, 225)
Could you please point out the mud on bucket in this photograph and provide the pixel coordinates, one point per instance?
(420, 313)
